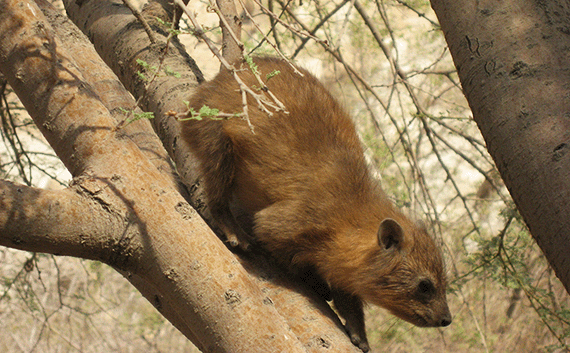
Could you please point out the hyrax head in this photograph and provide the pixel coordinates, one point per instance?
(406, 275)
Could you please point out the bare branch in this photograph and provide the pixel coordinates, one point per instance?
(262, 102)
(154, 219)
(47, 221)
(141, 19)
(232, 46)
(110, 90)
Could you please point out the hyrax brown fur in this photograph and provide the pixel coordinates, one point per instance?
(302, 179)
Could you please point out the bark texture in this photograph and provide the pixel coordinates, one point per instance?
(159, 238)
(512, 59)
(126, 207)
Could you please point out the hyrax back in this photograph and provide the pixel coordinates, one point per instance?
(301, 179)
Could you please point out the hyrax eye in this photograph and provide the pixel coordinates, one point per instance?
(425, 289)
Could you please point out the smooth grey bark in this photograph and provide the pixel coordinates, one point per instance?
(512, 60)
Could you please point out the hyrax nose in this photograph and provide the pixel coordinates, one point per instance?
(445, 321)
(445, 317)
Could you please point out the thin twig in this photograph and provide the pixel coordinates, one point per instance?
(268, 41)
(141, 19)
(261, 100)
(317, 27)
(288, 26)
(435, 24)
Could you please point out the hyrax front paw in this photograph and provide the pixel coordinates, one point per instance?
(235, 235)
(357, 339)
(241, 241)
(350, 308)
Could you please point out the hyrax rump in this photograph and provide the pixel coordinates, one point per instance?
(302, 180)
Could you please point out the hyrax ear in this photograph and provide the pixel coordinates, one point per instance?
(390, 234)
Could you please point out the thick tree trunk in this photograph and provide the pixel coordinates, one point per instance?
(512, 59)
(125, 208)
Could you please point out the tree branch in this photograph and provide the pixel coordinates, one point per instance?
(161, 239)
(118, 101)
(47, 221)
(323, 331)
(232, 47)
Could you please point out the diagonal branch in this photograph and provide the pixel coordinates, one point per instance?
(192, 273)
(105, 84)
(110, 29)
